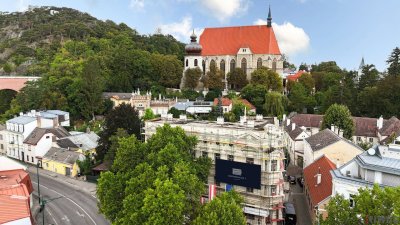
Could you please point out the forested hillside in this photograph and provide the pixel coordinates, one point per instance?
(79, 56)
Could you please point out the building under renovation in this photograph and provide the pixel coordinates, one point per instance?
(247, 157)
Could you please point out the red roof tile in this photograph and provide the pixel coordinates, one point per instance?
(11, 178)
(296, 76)
(228, 40)
(247, 104)
(323, 190)
(13, 208)
(225, 101)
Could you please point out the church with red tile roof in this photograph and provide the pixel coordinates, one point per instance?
(227, 48)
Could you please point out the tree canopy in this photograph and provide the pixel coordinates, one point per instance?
(340, 117)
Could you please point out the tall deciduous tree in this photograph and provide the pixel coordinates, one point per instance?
(275, 104)
(268, 78)
(339, 212)
(224, 209)
(308, 82)
(214, 78)
(369, 78)
(192, 77)
(255, 93)
(237, 79)
(123, 116)
(340, 117)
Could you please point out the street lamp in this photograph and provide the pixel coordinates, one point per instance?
(38, 181)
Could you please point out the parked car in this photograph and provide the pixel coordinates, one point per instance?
(300, 180)
(289, 214)
(292, 179)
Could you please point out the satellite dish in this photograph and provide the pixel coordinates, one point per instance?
(371, 151)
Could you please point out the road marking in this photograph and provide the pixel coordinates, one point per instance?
(70, 201)
(94, 196)
(81, 215)
(48, 210)
(65, 218)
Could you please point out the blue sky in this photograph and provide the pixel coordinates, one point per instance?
(308, 31)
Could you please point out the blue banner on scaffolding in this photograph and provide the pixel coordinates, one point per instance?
(237, 173)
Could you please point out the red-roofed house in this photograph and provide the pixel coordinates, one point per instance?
(226, 104)
(318, 186)
(296, 76)
(245, 47)
(15, 197)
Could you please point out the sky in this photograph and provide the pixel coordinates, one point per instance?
(309, 31)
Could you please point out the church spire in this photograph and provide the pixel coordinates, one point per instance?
(269, 19)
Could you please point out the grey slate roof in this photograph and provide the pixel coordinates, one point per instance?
(22, 120)
(293, 133)
(35, 136)
(84, 141)
(66, 143)
(63, 155)
(322, 139)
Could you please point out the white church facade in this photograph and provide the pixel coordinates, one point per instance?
(245, 47)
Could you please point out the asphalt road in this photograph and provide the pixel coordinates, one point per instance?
(69, 206)
(298, 198)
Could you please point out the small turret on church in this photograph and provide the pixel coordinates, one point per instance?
(360, 70)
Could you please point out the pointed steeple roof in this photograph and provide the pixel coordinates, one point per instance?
(362, 64)
(269, 19)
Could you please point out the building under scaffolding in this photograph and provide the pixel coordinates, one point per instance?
(255, 140)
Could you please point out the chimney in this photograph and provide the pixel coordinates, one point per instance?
(259, 117)
(379, 123)
(333, 128)
(340, 133)
(287, 122)
(220, 120)
(242, 120)
(318, 176)
(284, 117)
(88, 130)
(169, 116)
(21, 113)
(293, 126)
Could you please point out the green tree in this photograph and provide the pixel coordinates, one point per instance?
(307, 81)
(300, 99)
(164, 204)
(394, 62)
(148, 114)
(91, 89)
(340, 212)
(268, 78)
(175, 112)
(6, 96)
(274, 104)
(192, 77)
(123, 116)
(255, 93)
(340, 117)
(369, 78)
(223, 209)
(214, 78)
(130, 153)
(211, 95)
(237, 79)
(8, 68)
(114, 140)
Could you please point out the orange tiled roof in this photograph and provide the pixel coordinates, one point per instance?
(14, 177)
(296, 76)
(323, 190)
(228, 40)
(225, 101)
(14, 208)
(247, 104)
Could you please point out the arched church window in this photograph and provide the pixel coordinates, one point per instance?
(212, 64)
(187, 62)
(195, 62)
(222, 66)
(259, 63)
(244, 65)
(274, 65)
(233, 65)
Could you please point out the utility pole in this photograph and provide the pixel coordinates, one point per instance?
(38, 181)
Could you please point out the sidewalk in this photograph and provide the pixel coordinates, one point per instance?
(84, 186)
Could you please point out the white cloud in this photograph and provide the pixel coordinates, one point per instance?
(181, 30)
(225, 9)
(291, 39)
(137, 5)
